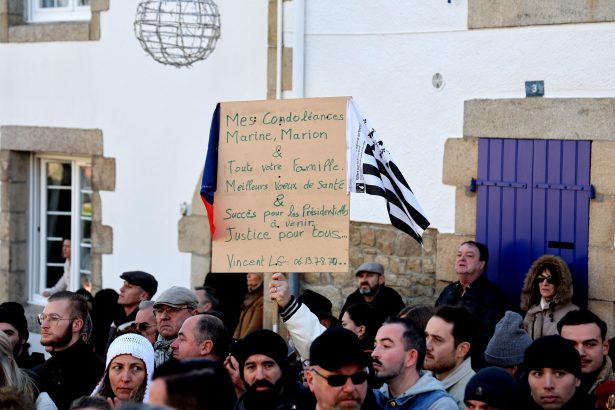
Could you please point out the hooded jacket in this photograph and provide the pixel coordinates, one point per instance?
(543, 322)
(426, 394)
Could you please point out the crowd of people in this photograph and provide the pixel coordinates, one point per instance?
(205, 348)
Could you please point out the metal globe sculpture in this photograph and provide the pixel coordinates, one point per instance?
(177, 32)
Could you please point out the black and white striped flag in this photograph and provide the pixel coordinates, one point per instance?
(372, 170)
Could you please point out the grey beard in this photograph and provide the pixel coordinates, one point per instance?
(366, 292)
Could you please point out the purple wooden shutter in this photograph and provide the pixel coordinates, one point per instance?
(533, 198)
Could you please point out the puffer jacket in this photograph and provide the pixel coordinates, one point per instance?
(543, 322)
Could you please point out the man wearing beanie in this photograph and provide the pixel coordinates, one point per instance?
(338, 371)
(14, 324)
(261, 359)
(506, 347)
(554, 371)
(492, 388)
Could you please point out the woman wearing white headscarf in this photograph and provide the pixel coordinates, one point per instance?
(129, 369)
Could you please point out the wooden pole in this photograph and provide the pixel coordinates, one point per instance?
(275, 319)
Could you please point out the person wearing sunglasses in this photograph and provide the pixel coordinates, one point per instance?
(145, 321)
(338, 371)
(546, 295)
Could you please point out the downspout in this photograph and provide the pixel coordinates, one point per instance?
(278, 53)
(298, 91)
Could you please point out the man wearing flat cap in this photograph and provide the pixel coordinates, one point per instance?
(171, 309)
(338, 371)
(138, 286)
(372, 290)
(261, 361)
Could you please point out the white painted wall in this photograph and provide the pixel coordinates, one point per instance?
(155, 120)
(385, 53)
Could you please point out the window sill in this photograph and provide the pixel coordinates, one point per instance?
(42, 32)
(13, 30)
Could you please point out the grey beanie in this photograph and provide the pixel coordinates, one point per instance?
(509, 341)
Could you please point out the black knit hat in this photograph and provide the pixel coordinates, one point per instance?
(265, 342)
(553, 352)
(13, 314)
(335, 348)
(495, 387)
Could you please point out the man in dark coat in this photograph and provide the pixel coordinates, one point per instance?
(474, 291)
(73, 369)
(373, 291)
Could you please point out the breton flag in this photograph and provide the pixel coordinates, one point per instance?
(371, 170)
(210, 172)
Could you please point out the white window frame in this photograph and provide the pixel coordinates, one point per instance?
(37, 258)
(72, 12)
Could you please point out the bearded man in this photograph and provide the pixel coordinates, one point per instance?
(73, 369)
(372, 290)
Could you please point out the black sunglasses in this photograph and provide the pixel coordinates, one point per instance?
(552, 280)
(337, 380)
(140, 326)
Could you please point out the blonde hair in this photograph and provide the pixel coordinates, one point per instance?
(10, 373)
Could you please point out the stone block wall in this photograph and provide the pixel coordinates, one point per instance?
(409, 268)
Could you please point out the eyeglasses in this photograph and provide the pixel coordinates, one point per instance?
(142, 326)
(338, 380)
(51, 318)
(169, 310)
(550, 279)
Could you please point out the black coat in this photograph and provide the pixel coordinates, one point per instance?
(387, 301)
(69, 374)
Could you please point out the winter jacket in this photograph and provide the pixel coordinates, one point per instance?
(455, 382)
(302, 325)
(251, 317)
(540, 322)
(69, 374)
(426, 394)
(483, 298)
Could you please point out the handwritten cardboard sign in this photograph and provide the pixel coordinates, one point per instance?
(281, 203)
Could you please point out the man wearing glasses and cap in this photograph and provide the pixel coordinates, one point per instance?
(338, 371)
(171, 309)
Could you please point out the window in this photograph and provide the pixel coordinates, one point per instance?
(61, 208)
(59, 10)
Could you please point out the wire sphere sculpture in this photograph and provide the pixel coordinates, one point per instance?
(177, 32)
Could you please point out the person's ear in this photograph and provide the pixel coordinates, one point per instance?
(206, 347)
(411, 358)
(462, 349)
(361, 331)
(381, 279)
(77, 325)
(309, 378)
